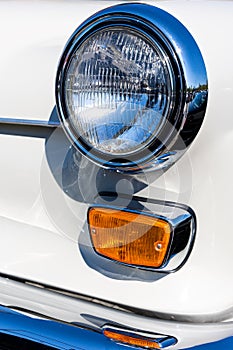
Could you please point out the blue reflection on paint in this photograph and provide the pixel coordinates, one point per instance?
(51, 333)
(68, 337)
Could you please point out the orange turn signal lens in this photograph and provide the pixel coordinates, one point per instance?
(129, 237)
(131, 340)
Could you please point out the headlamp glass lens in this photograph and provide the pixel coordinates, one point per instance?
(118, 91)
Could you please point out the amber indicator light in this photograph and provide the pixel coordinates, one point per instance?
(129, 237)
(131, 340)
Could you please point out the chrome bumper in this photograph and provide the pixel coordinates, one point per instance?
(64, 320)
(27, 331)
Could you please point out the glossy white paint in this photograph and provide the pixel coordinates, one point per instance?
(40, 224)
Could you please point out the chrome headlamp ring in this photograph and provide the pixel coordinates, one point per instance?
(187, 75)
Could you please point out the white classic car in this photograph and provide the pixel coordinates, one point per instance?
(116, 178)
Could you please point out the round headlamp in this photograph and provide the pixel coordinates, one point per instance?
(122, 86)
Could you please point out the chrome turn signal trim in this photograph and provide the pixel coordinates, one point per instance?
(181, 220)
(136, 338)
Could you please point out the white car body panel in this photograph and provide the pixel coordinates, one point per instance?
(40, 225)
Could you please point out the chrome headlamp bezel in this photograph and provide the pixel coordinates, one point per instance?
(185, 63)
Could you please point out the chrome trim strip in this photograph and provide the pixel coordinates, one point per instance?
(29, 122)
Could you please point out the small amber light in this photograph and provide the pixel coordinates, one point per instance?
(131, 340)
(129, 237)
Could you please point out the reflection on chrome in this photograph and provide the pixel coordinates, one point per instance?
(118, 90)
(125, 87)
